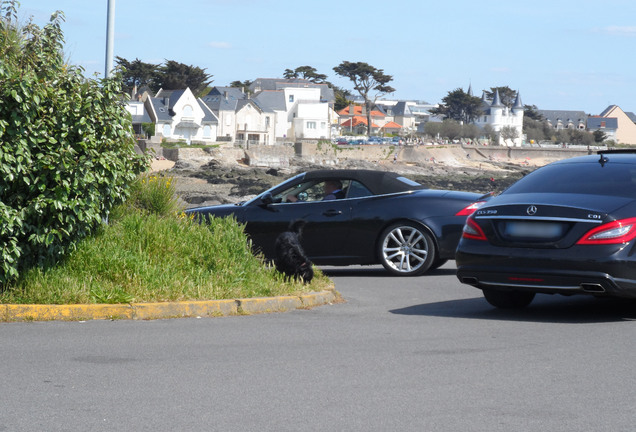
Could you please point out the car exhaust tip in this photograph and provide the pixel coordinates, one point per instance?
(592, 287)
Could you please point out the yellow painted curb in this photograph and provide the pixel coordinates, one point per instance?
(66, 312)
(148, 311)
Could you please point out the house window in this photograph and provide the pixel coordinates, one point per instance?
(207, 131)
(323, 125)
(291, 98)
(267, 121)
(311, 125)
(166, 130)
(602, 124)
(485, 119)
(187, 111)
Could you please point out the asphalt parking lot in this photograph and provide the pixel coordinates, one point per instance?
(422, 353)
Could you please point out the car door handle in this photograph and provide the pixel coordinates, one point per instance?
(332, 212)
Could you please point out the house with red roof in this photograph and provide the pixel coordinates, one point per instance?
(353, 118)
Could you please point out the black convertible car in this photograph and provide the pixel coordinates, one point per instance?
(357, 217)
(566, 228)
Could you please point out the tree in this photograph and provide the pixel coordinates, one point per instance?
(173, 75)
(599, 136)
(451, 129)
(506, 94)
(459, 106)
(305, 72)
(365, 79)
(471, 131)
(530, 112)
(580, 137)
(536, 130)
(433, 129)
(489, 133)
(342, 97)
(241, 84)
(66, 146)
(508, 133)
(135, 73)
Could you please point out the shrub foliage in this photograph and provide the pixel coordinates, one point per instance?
(66, 146)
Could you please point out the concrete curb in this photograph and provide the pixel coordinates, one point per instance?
(149, 311)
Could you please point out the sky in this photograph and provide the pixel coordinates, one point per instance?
(559, 54)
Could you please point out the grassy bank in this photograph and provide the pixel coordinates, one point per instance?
(150, 252)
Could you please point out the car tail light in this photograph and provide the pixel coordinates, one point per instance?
(468, 210)
(473, 231)
(616, 232)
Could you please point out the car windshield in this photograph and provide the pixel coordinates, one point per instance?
(270, 190)
(613, 179)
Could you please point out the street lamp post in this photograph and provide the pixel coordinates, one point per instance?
(110, 38)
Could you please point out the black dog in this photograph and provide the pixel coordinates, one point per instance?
(290, 256)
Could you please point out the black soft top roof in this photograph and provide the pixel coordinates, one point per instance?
(378, 182)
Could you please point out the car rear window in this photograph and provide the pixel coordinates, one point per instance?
(611, 179)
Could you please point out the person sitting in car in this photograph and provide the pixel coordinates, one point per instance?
(333, 190)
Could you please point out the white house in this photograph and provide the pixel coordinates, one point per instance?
(139, 115)
(252, 125)
(499, 116)
(179, 115)
(307, 115)
(300, 109)
(292, 110)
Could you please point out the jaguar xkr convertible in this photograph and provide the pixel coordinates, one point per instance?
(357, 217)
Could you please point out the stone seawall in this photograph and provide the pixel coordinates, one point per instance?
(325, 154)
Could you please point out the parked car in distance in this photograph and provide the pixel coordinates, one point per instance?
(342, 141)
(566, 228)
(379, 218)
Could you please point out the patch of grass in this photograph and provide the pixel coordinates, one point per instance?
(154, 193)
(152, 252)
(149, 258)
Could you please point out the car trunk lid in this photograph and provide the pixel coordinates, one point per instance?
(543, 221)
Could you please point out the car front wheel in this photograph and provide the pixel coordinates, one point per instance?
(508, 299)
(406, 250)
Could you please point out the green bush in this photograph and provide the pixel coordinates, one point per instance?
(66, 146)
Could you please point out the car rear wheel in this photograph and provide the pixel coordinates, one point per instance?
(406, 250)
(508, 299)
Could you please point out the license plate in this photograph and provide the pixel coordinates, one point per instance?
(535, 230)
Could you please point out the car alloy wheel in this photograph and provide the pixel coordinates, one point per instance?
(406, 250)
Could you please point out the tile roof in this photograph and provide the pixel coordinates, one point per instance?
(564, 116)
(270, 100)
(357, 110)
(358, 120)
(598, 122)
(392, 125)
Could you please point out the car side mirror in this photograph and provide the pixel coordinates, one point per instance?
(267, 199)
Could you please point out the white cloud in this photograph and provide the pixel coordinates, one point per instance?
(221, 45)
(621, 30)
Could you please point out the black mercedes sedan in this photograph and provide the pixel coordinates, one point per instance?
(357, 217)
(566, 228)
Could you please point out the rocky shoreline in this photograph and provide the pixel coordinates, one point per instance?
(221, 183)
